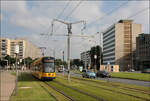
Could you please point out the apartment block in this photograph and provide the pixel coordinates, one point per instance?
(86, 58)
(4, 47)
(119, 44)
(26, 48)
(143, 51)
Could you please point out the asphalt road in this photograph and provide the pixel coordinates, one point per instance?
(127, 81)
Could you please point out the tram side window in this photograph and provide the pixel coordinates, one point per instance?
(38, 67)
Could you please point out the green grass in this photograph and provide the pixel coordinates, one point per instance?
(76, 71)
(35, 93)
(74, 94)
(94, 88)
(13, 73)
(135, 76)
(57, 95)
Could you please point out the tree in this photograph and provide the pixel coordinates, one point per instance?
(28, 61)
(58, 62)
(77, 62)
(10, 60)
(97, 50)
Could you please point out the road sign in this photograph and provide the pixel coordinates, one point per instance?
(95, 56)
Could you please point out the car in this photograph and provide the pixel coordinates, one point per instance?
(103, 74)
(84, 70)
(89, 74)
(131, 70)
(146, 70)
(60, 69)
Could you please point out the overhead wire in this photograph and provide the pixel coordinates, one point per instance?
(70, 14)
(110, 12)
(118, 8)
(64, 9)
(59, 15)
(135, 14)
(138, 12)
(50, 26)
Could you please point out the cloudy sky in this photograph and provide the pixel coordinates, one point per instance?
(28, 19)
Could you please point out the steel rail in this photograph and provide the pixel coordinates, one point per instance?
(126, 88)
(49, 92)
(118, 92)
(70, 98)
(82, 92)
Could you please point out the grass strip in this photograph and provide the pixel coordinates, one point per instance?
(110, 96)
(57, 95)
(34, 93)
(74, 94)
(112, 89)
(134, 76)
(117, 84)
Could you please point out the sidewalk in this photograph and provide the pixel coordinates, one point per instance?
(7, 84)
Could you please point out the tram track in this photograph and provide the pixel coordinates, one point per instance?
(49, 92)
(115, 85)
(117, 92)
(55, 89)
(60, 92)
(82, 92)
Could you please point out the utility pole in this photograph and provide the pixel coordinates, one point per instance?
(16, 52)
(63, 62)
(63, 55)
(100, 43)
(69, 27)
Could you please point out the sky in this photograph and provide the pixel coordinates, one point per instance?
(29, 19)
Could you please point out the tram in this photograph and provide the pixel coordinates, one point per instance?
(44, 68)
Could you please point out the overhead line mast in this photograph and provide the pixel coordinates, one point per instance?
(69, 27)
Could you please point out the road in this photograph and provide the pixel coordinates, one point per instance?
(127, 81)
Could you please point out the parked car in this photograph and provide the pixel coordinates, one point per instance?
(131, 70)
(66, 70)
(103, 74)
(146, 70)
(89, 74)
(84, 70)
(60, 69)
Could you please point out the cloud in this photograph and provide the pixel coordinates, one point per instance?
(20, 15)
(126, 11)
(35, 17)
(88, 11)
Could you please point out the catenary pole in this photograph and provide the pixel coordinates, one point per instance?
(69, 27)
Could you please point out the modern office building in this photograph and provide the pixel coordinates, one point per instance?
(119, 43)
(26, 48)
(86, 58)
(143, 51)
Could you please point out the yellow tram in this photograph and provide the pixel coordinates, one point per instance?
(44, 68)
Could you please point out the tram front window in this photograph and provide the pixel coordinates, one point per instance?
(48, 67)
